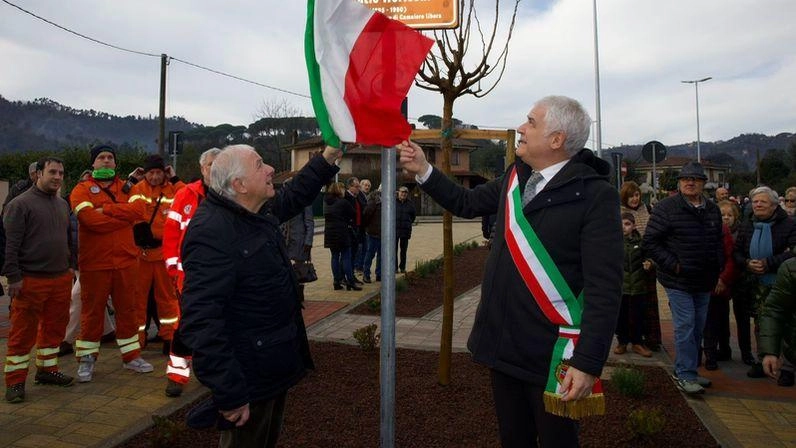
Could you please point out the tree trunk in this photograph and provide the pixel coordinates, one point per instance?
(446, 335)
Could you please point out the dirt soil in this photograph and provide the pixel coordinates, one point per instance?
(338, 406)
(425, 294)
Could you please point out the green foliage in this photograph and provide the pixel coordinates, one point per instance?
(401, 284)
(629, 381)
(646, 422)
(166, 432)
(463, 246)
(374, 303)
(667, 181)
(367, 337)
(424, 268)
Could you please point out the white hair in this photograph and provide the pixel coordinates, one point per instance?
(772, 195)
(212, 152)
(227, 167)
(563, 114)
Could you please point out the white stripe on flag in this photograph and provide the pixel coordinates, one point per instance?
(337, 25)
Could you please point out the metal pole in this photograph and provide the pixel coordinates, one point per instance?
(164, 61)
(598, 124)
(654, 177)
(387, 349)
(696, 91)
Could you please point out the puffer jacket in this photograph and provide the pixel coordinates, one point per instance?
(241, 309)
(635, 277)
(778, 318)
(686, 244)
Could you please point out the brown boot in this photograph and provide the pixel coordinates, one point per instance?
(641, 350)
(620, 349)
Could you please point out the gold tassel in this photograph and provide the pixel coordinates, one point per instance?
(594, 404)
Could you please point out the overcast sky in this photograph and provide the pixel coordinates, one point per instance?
(646, 48)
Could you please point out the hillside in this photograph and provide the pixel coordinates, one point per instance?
(43, 124)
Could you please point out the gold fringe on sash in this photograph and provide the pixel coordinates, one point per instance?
(594, 404)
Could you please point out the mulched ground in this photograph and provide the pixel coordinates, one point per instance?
(425, 294)
(338, 406)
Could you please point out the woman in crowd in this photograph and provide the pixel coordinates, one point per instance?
(764, 242)
(338, 215)
(716, 337)
(630, 198)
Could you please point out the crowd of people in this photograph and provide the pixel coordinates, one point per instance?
(708, 254)
(573, 262)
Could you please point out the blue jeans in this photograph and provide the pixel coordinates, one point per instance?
(374, 250)
(689, 313)
(341, 265)
(358, 252)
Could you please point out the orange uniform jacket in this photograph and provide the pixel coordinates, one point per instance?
(144, 192)
(182, 210)
(106, 238)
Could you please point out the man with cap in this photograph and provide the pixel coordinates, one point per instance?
(157, 190)
(186, 201)
(108, 262)
(684, 238)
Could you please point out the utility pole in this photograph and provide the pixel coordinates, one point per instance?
(164, 61)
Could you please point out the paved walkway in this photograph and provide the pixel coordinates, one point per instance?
(118, 403)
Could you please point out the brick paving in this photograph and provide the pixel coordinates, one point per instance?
(740, 412)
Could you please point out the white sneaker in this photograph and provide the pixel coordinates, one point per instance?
(85, 369)
(139, 365)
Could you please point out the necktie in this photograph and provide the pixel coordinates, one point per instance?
(530, 187)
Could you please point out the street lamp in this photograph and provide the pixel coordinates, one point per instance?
(696, 82)
(598, 122)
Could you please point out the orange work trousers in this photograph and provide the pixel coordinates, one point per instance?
(122, 285)
(39, 315)
(153, 275)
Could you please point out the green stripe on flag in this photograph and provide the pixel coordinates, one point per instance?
(314, 72)
(558, 355)
(572, 303)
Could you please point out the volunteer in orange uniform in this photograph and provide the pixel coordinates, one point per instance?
(108, 262)
(40, 259)
(182, 210)
(157, 190)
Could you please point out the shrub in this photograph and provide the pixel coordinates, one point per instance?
(166, 432)
(427, 267)
(367, 338)
(646, 422)
(401, 284)
(629, 381)
(374, 303)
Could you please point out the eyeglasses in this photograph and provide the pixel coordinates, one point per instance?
(789, 200)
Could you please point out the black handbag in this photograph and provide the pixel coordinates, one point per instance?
(305, 271)
(142, 232)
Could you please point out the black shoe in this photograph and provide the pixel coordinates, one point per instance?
(352, 287)
(54, 378)
(748, 358)
(711, 364)
(378, 278)
(173, 389)
(64, 349)
(366, 280)
(15, 393)
(785, 378)
(756, 371)
(338, 286)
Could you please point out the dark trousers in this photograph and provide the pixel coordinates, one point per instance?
(742, 315)
(631, 319)
(716, 336)
(262, 429)
(522, 420)
(401, 244)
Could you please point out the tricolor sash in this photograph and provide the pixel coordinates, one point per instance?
(556, 300)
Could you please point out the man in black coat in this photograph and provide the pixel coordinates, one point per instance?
(241, 310)
(684, 239)
(404, 220)
(553, 281)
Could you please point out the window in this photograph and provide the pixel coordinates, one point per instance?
(455, 158)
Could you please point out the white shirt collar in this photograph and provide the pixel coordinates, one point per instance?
(548, 173)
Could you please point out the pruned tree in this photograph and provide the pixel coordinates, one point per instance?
(445, 71)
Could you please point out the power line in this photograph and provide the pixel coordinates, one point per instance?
(143, 53)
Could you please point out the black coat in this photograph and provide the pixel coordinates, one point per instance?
(241, 313)
(681, 236)
(783, 239)
(576, 216)
(372, 215)
(338, 218)
(404, 218)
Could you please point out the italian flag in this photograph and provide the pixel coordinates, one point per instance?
(361, 65)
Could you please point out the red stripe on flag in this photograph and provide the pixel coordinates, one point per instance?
(382, 66)
(528, 277)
